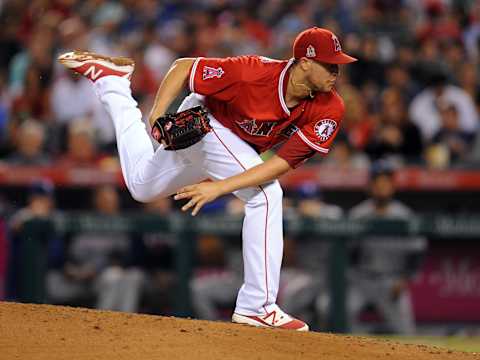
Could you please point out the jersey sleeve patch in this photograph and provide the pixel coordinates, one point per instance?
(320, 134)
(324, 129)
(210, 72)
(216, 77)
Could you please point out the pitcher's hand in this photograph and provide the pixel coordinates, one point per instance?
(199, 194)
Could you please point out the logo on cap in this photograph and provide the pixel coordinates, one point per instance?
(336, 43)
(311, 52)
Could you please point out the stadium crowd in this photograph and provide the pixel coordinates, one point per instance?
(412, 98)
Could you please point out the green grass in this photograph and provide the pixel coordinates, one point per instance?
(461, 343)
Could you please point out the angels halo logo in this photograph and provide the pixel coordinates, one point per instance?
(210, 72)
(336, 44)
(325, 128)
(311, 52)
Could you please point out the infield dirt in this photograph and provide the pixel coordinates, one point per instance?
(38, 332)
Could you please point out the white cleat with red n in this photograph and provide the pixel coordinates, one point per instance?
(274, 319)
(94, 66)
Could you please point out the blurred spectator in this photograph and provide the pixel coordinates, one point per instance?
(369, 71)
(406, 55)
(424, 112)
(33, 99)
(428, 57)
(118, 286)
(32, 236)
(331, 9)
(157, 56)
(456, 142)
(454, 58)
(144, 82)
(215, 284)
(154, 253)
(399, 78)
(105, 22)
(440, 22)
(4, 252)
(9, 42)
(31, 69)
(299, 285)
(304, 289)
(344, 156)
(257, 33)
(382, 266)
(5, 101)
(29, 145)
(73, 97)
(471, 35)
(81, 146)
(96, 269)
(397, 43)
(395, 137)
(468, 80)
(4, 245)
(310, 203)
(72, 34)
(358, 124)
(218, 273)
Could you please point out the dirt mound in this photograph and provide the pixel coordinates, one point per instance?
(55, 332)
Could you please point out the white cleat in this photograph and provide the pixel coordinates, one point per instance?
(275, 319)
(94, 66)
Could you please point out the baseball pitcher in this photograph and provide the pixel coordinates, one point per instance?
(238, 108)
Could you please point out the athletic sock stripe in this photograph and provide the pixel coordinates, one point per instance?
(266, 216)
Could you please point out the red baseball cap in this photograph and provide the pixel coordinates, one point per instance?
(320, 44)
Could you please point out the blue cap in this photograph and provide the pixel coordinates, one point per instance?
(309, 190)
(381, 167)
(42, 187)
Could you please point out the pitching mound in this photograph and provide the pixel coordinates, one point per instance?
(54, 332)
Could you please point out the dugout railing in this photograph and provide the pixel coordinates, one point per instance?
(37, 231)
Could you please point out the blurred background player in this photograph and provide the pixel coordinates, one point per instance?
(96, 268)
(383, 266)
(32, 257)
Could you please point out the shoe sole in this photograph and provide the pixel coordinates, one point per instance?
(241, 319)
(74, 59)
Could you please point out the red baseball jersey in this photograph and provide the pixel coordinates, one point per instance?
(247, 95)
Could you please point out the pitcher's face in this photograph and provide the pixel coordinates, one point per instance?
(323, 76)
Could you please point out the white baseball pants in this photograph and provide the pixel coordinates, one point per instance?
(221, 154)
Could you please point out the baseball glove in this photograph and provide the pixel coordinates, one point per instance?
(181, 130)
